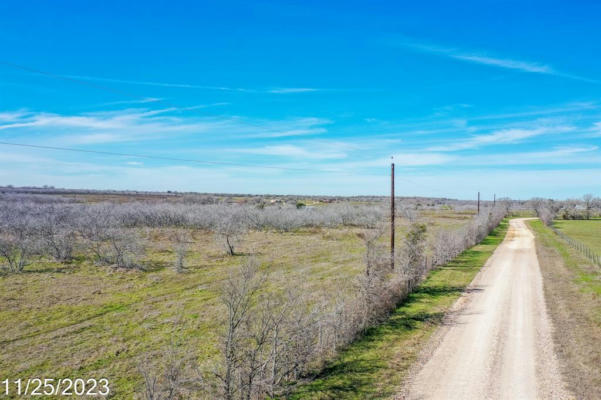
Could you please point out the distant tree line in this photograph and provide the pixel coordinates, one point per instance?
(586, 208)
(49, 226)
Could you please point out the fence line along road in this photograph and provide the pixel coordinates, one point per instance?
(581, 247)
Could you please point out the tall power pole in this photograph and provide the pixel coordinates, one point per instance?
(392, 216)
(478, 203)
(494, 200)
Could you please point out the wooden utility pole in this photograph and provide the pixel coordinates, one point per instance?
(392, 216)
(494, 200)
(478, 203)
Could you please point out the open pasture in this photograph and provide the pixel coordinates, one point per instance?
(103, 320)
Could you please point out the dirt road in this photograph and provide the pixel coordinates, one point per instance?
(497, 343)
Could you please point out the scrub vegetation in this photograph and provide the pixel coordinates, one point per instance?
(376, 365)
(210, 296)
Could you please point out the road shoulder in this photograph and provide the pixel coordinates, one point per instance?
(572, 289)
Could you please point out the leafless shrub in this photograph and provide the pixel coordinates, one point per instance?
(543, 210)
(18, 238)
(229, 229)
(181, 242)
(123, 248)
(589, 202)
(373, 249)
(57, 230)
(446, 245)
(408, 212)
(268, 339)
(412, 254)
(237, 294)
(115, 246)
(546, 216)
(167, 384)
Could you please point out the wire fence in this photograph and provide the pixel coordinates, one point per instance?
(581, 247)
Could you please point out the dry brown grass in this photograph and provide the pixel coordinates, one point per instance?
(573, 293)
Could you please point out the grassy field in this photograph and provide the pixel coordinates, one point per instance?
(374, 367)
(573, 293)
(585, 231)
(81, 320)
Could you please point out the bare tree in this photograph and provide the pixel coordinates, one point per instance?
(113, 245)
(18, 239)
(229, 228)
(237, 295)
(167, 384)
(373, 249)
(182, 241)
(589, 201)
(446, 245)
(414, 252)
(543, 210)
(409, 212)
(122, 248)
(57, 228)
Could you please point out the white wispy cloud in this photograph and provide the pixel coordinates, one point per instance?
(288, 133)
(156, 83)
(200, 106)
(144, 125)
(293, 90)
(572, 155)
(483, 58)
(406, 159)
(144, 100)
(558, 109)
(12, 116)
(502, 136)
(505, 63)
(294, 151)
(180, 85)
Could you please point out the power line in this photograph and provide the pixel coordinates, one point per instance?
(146, 156)
(121, 92)
(189, 160)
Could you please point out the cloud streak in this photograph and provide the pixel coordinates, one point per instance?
(293, 90)
(483, 58)
(137, 125)
(500, 137)
(505, 63)
(294, 151)
(178, 85)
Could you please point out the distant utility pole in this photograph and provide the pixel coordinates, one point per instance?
(478, 203)
(494, 200)
(392, 216)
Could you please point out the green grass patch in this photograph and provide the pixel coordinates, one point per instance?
(586, 276)
(522, 213)
(78, 319)
(572, 286)
(585, 231)
(374, 366)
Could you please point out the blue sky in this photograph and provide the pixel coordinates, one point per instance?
(498, 97)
